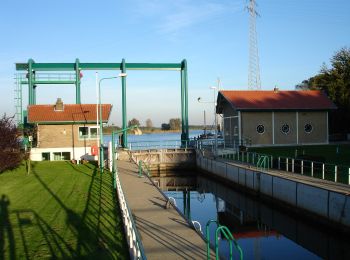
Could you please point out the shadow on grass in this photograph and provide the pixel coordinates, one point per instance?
(96, 231)
(6, 229)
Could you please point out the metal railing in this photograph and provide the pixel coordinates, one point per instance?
(135, 245)
(141, 169)
(320, 170)
(263, 163)
(165, 144)
(227, 234)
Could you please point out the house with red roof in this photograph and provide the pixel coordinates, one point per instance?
(66, 131)
(274, 117)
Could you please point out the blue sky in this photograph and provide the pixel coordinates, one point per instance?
(294, 37)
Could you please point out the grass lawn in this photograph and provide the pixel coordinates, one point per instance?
(60, 211)
(328, 152)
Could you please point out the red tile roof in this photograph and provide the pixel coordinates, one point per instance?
(276, 100)
(77, 113)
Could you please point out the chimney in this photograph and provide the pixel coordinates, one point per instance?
(59, 105)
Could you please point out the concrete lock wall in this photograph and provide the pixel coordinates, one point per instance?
(330, 205)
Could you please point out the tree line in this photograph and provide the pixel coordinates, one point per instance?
(173, 124)
(335, 82)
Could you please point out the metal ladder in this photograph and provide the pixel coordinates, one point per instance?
(227, 234)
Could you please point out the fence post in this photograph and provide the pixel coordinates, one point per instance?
(293, 165)
(286, 164)
(322, 171)
(312, 169)
(253, 161)
(335, 173)
(302, 167)
(279, 163)
(271, 162)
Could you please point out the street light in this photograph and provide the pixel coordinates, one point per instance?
(100, 112)
(215, 118)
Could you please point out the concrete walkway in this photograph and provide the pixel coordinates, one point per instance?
(164, 233)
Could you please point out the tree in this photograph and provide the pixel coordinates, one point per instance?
(149, 123)
(165, 127)
(10, 153)
(175, 124)
(335, 82)
(134, 121)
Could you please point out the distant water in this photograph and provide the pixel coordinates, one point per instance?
(156, 137)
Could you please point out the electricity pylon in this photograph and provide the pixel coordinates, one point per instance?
(254, 68)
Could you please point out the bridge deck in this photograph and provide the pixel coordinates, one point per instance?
(164, 232)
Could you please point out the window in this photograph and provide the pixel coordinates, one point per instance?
(83, 132)
(88, 132)
(93, 132)
(235, 131)
(308, 128)
(285, 129)
(45, 156)
(61, 156)
(260, 129)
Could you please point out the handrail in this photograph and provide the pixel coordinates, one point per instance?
(141, 169)
(228, 235)
(263, 161)
(134, 240)
(136, 249)
(198, 224)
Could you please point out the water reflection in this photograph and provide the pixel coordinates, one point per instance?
(263, 231)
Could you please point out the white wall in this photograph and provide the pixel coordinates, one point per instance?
(79, 153)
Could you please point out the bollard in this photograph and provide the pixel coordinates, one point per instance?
(292, 165)
(349, 177)
(286, 164)
(312, 169)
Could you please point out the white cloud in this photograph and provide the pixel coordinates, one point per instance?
(175, 16)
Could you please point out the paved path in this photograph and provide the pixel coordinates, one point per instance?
(164, 233)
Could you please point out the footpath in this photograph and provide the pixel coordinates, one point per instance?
(164, 233)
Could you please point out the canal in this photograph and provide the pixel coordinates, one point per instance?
(263, 231)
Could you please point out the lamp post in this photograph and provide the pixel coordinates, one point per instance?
(215, 118)
(114, 163)
(100, 117)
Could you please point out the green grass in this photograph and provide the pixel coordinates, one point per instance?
(328, 152)
(59, 211)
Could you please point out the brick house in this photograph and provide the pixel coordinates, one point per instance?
(65, 131)
(274, 117)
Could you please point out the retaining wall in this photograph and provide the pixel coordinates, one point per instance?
(331, 205)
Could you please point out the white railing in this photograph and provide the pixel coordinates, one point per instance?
(135, 246)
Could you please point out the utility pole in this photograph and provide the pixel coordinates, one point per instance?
(254, 68)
